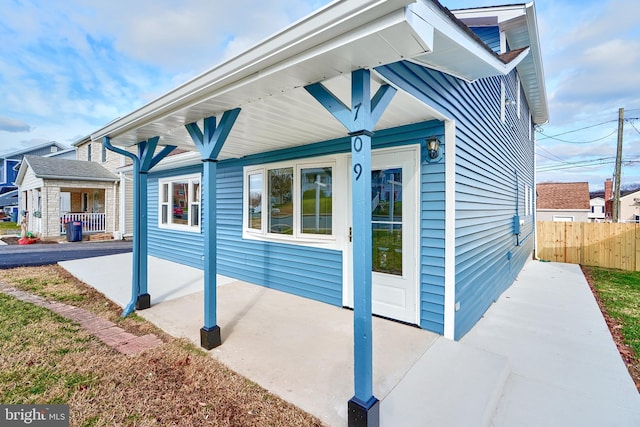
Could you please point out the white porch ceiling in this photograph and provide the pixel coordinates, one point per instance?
(267, 82)
(283, 120)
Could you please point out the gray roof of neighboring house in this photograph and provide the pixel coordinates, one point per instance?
(53, 168)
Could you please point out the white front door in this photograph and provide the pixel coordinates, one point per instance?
(394, 221)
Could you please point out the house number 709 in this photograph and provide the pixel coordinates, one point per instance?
(357, 147)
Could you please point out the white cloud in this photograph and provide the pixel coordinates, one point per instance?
(13, 125)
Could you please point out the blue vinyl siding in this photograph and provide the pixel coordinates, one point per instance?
(489, 35)
(432, 216)
(179, 246)
(314, 273)
(489, 155)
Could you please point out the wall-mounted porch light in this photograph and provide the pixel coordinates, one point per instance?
(509, 101)
(433, 148)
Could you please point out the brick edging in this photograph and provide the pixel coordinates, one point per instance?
(105, 330)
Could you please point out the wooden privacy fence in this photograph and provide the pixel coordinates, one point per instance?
(594, 244)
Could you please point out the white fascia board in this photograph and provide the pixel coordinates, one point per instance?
(24, 164)
(327, 23)
(451, 31)
(498, 14)
(534, 44)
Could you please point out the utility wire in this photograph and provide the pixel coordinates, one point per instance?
(583, 142)
(575, 130)
(601, 160)
(586, 165)
(544, 149)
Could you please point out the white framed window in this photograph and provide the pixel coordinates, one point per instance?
(179, 202)
(290, 201)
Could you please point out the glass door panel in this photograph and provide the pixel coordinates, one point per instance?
(386, 220)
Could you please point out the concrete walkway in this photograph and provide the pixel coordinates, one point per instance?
(541, 356)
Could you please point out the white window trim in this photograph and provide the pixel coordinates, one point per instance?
(191, 179)
(564, 218)
(332, 241)
(518, 94)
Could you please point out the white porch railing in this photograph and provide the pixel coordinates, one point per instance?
(91, 222)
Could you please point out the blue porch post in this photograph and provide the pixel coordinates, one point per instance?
(142, 163)
(360, 119)
(209, 143)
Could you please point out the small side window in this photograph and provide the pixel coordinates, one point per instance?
(254, 202)
(179, 202)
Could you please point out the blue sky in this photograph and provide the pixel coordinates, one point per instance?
(69, 67)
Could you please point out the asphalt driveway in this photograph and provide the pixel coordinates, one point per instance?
(44, 254)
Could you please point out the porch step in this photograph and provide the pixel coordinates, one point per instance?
(100, 236)
(451, 385)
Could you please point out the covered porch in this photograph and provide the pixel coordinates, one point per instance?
(86, 205)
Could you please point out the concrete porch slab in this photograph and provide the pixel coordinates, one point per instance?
(541, 355)
(302, 350)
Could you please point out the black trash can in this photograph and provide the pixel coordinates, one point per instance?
(74, 231)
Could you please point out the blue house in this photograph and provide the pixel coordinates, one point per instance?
(373, 155)
(9, 161)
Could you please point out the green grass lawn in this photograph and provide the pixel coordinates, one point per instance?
(47, 359)
(9, 226)
(619, 292)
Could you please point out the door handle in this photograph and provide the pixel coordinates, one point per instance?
(350, 234)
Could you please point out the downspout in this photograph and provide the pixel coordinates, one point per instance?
(135, 284)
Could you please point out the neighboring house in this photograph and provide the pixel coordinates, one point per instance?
(372, 148)
(630, 207)
(563, 202)
(69, 153)
(597, 213)
(55, 191)
(10, 161)
(9, 205)
(96, 152)
(629, 203)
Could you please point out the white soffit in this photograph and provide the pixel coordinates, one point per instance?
(267, 81)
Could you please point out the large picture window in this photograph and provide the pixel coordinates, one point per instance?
(179, 202)
(297, 202)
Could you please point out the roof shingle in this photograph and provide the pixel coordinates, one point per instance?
(563, 195)
(53, 168)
